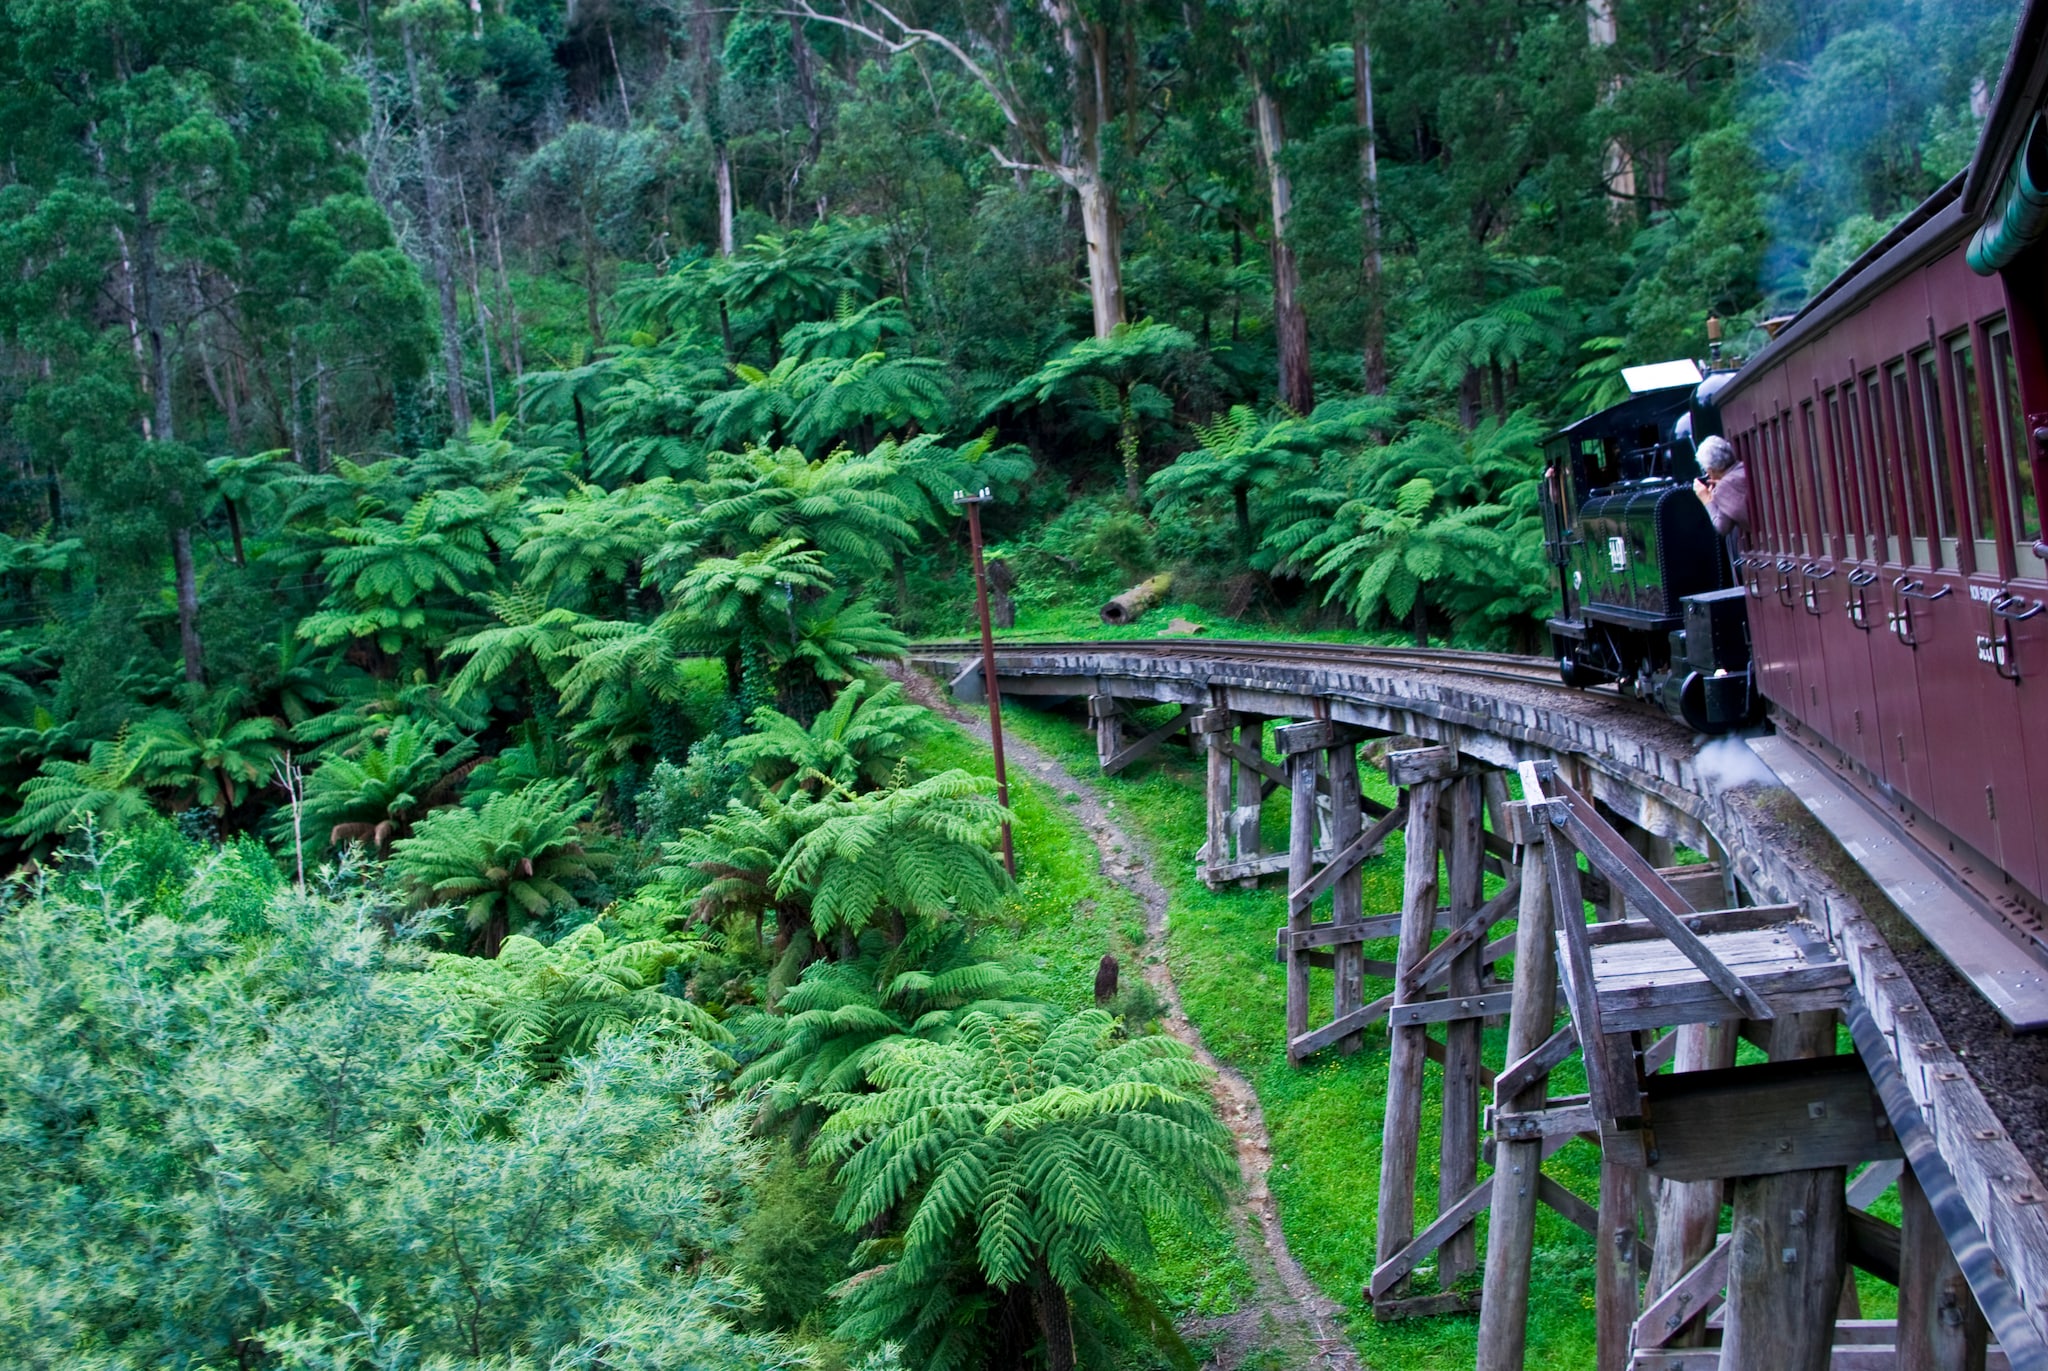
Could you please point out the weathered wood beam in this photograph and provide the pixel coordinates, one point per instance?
(1653, 896)
(1712, 921)
(1450, 1009)
(1562, 1118)
(1148, 744)
(1452, 1218)
(1533, 1066)
(1420, 765)
(1401, 1131)
(1316, 735)
(1359, 849)
(1761, 1120)
(1697, 1290)
(1475, 926)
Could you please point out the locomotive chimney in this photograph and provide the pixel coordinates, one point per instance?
(1713, 340)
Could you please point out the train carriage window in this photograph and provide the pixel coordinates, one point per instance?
(1819, 499)
(1835, 511)
(1880, 477)
(1912, 464)
(1798, 500)
(1934, 432)
(1981, 517)
(2013, 440)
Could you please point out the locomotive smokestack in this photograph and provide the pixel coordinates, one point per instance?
(1713, 340)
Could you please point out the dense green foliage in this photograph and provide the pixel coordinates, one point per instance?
(464, 461)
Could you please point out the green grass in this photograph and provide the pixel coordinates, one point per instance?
(1324, 1117)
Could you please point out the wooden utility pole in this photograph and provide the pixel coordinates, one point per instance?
(974, 503)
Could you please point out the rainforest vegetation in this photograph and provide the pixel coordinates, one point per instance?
(476, 902)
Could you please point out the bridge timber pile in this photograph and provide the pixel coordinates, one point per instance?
(1761, 943)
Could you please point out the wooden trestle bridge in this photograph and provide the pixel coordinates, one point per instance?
(1677, 965)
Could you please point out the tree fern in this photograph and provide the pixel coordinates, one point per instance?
(550, 1003)
(859, 739)
(505, 862)
(1039, 1138)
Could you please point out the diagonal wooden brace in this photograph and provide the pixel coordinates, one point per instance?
(1356, 851)
(1147, 744)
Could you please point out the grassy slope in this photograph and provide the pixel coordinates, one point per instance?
(1064, 915)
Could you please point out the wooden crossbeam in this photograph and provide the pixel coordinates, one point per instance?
(1336, 1030)
(1764, 1120)
(1410, 1013)
(1355, 851)
(1481, 922)
(1710, 922)
(1148, 744)
(1876, 1178)
(1313, 735)
(1419, 765)
(1335, 934)
(1264, 865)
(1567, 1117)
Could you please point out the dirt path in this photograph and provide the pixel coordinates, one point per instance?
(1289, 1315)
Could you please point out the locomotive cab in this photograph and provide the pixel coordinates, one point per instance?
(1643, 577)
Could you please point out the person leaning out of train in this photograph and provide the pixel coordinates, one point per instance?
(1724, 486)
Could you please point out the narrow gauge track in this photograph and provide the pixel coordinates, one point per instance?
(1538, 671)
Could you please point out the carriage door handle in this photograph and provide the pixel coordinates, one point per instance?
(1855, 601)
(1997, 646)
(1909, 591)
(1785, 582)
(1748, 565)
(1814, 574)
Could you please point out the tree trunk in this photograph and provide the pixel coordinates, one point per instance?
(590, 293)
(1421, 620)
(1241, 502)
(726, 244)
(1619, 170)
(1290, 320)
(1104, 236)
(235, 530)
(188, 604)
(437, 241)
(1056, 1322)
(1369, 208)
(805, 62)
(1127, 447)
(149, 290)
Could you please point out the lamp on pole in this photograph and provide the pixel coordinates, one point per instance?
(974, 501)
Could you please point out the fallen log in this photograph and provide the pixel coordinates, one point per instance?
(1128, 607)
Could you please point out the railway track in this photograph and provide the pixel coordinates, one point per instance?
(1538, 671)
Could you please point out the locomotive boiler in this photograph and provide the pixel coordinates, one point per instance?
(1650, 602)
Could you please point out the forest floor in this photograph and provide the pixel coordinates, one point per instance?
(1286, 1321)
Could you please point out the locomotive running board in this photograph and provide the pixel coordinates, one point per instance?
(1956, 920)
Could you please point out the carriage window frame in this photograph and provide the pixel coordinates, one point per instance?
(1978, 503)
(1930, 405)
(1891, 538)
(1798, 504)
(1844, 534)
(1820, 532)
(2015, 465)
(1912, 464)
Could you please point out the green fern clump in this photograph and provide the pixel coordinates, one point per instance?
(508, 862)
(552, 1003)
(1034, 1145)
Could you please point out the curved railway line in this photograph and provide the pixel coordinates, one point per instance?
(1975, 1097)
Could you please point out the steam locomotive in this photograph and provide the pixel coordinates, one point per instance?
(1889, 609)
(1649, 597)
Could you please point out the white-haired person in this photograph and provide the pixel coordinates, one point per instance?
(1723, 488)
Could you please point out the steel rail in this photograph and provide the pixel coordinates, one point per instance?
(1539, 671)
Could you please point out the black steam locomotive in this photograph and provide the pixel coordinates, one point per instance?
(1650, 599)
